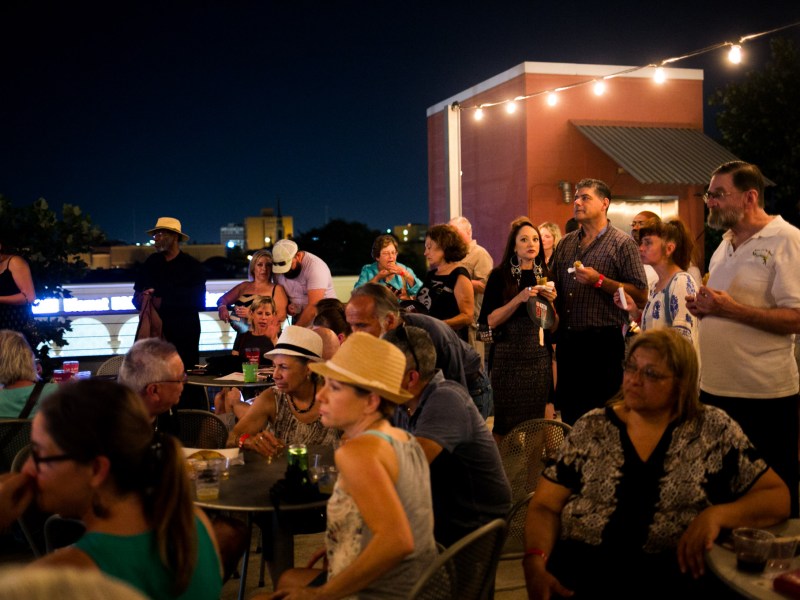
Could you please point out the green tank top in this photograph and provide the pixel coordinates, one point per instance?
(135, 560)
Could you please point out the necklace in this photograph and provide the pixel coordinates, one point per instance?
(301, 411)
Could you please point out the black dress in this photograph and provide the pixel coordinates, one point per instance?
(16, 317)
(437, 295)
(521, 369)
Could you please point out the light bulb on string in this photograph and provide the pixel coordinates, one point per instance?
(511, 107)
(599, 87)
(479, 114)
(735, 54)
(660, 76)
(552, 98)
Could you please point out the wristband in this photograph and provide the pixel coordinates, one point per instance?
(600, 281)
(242, 438)
(536, 552)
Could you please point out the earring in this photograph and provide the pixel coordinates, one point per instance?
(516, 269)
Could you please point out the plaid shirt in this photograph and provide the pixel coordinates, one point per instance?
(613, 254)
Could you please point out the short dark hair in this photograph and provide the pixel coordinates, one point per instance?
(598, 185)
(417, 346)
(381, 242)
(450, 241)
(746, 176)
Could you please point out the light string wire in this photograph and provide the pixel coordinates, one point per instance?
(479, 107)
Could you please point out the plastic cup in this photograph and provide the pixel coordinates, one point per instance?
(61, 376)
(327, 480)
(253, 355)
(207, 481)
(250, 371)
(781, 553)
(72, 366)
(752, 548)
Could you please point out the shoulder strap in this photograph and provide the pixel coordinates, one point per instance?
(666, 292)
(380, 434)
(35, 393)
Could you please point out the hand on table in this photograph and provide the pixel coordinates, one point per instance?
(264, 443)
(696, 541)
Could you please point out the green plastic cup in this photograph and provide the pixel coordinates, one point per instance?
(250, 371)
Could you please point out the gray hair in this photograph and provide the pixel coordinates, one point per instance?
(145, 363)
(462, 224)
(418, 347)
(385, 301)
(16, 358)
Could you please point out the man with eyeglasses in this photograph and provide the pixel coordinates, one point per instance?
(468, 483)
(750, 311)
(375, 310)
(153, 369)
(590, 265)
(176, 284)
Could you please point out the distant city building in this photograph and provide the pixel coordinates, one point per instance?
(231, 235)
(267, 229)
(125, 257)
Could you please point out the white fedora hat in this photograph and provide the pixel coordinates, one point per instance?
(370, 363)
(298, 341)
(169, 224)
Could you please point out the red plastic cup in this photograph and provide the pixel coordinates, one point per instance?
(72, 366)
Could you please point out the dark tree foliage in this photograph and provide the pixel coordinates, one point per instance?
(759, 121)
(344, 245)
(52, 247)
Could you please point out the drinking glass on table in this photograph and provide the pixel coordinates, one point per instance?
(253, 355)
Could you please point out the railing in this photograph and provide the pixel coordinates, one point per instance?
(104, 320)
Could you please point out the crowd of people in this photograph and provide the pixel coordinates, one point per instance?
(652, 366)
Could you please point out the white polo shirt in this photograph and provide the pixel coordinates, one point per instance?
(739, 360)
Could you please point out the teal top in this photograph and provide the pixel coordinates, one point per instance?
(13, 401)
(135, 560)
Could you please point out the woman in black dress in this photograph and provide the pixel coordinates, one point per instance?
(447, 290)
(521, 371)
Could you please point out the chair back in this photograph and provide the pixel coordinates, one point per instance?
(110, 366)
(15, 434)
(466, 569)
(525, 451)
(201, 429)
(514, 545)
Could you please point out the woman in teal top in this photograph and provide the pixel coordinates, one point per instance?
(18, 375)
(94, 457)
(387, 271)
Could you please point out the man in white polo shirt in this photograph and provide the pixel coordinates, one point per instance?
(750, 311)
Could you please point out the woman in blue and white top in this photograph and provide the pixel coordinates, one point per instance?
(667, 247)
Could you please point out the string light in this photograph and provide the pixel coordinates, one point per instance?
(659, 75)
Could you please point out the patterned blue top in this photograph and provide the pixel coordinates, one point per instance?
(667, 308)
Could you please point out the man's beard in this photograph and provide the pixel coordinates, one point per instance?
(725, 218)
(293, 273)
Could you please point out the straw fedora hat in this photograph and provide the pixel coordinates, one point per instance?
(170, 224)
(370, 363)
(298, 341)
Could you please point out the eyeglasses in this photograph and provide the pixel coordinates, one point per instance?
(402, 335)
(38, 460)
(183, 379)
(647, 373)
(716, 196)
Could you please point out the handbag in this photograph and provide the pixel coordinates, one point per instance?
(487, 335)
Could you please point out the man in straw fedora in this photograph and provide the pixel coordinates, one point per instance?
(176, 284)
(380, 522)
(468, 481)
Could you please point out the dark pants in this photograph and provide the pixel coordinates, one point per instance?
(771, 424)
(589, 366)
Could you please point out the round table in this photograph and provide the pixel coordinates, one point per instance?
(721, 559)
(247, 490)
(220, 381)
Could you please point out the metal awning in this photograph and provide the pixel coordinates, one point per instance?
(658, 154)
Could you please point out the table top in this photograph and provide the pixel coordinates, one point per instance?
(217, 381)
(247, 488)
(722, 561)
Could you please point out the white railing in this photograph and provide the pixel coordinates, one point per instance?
(104, 320)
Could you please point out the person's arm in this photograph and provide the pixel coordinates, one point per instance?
(591, 277)
(364, 474)
(542, 524)
(466, 304)
(16, 493)
(368, 273)
(261, 411)
(430, 448)
(281, 302)
(310, 310)
(503, 313)
(719, 303)
(481, 273)
(227, 298)
(21, 274)
(764, 504)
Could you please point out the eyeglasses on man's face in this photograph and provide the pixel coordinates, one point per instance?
(717, 196)
(649, 374)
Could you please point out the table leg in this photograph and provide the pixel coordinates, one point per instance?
(282, 548)
(246, 557)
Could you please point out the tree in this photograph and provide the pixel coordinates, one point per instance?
(52, 248)
(344, 245)
(759, 122)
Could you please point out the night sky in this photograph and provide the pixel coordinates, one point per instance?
(210, 110)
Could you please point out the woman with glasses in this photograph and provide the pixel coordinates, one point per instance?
(387, 271)
(667, 247)
(260, 283)
(95, 457)
(641, 488)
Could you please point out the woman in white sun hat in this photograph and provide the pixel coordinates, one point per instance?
(289, 412)
(380, 520)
